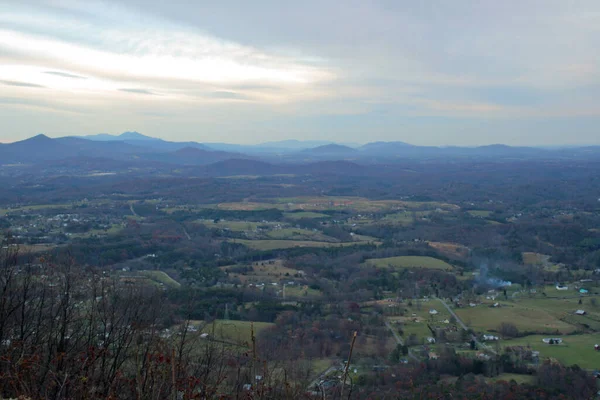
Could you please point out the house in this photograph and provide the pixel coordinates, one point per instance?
(552, 340)
(483, 356)
(583, 291)
(495, 305)
(472, 305)
(433, 356)
(433, 312)
(580, 312)
(560, 287)
(430, 340)
(489, 338)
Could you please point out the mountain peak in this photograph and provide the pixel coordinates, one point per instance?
(41, 138)
(135, 136)
(331, 148)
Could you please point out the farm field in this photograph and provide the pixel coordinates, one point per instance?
(240, 226)
(335, 203)
(35, 208)
(286, 244)
(306, 214)
(268, 271)
(300, 234)
(235, 331)
(450, 249)
(525, 318)
(409, 262)
(480, 213)
(575, 349)
(161, 277)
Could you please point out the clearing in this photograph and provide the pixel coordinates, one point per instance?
(409, 262)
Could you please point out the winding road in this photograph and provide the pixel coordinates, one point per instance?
(399, 339)
(462, 325)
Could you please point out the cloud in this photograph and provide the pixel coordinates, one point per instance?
(223, 94)
(138, 91)
(21, 84)
(64, 74)
(389, 68)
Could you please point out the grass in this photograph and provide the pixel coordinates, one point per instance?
(575, 349)
(319, 365)
(264, 273)
(235, 331)
(161, 277)
(306, 214)
(299, 234)
(534, 258)
(480, 213)
(34, 208)
(266, 245)
(240, 226)
(525, 318)
(450, 249)
(401, 218)
(359, 204)
(409, 262)
(520, 379)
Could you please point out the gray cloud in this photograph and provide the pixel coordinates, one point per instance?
(223, 94)
(138, 91)
(460, 72)
(65, 75)
(21, 84)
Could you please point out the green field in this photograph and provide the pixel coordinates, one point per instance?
(409, 262)
(520, 379)
(480, 213)
(34, 208)
(161, 277)
(299, 234)
(235, 331)
(526, 318)
(575, 349)
(240, 226)
(401, 218)
(286, 244)
(306, 214)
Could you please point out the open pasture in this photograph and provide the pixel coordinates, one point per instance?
(316, 204)
(160, 277)
(235, 331)
(525, 317)
(265, 245)
(450, 249)
(409, 262)
(575, 349)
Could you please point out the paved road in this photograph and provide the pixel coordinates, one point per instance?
(132, 209)
(462, 324)
(399, 339)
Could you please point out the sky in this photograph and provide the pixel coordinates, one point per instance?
(429, 73)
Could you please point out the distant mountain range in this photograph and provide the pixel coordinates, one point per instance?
(133, 147)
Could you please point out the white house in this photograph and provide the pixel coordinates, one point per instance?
(430, 340)
(555, 340)
(433, 312)
(489, 338)
(559, 287)
(580, 312)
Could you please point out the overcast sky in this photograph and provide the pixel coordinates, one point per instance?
(434, 72)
